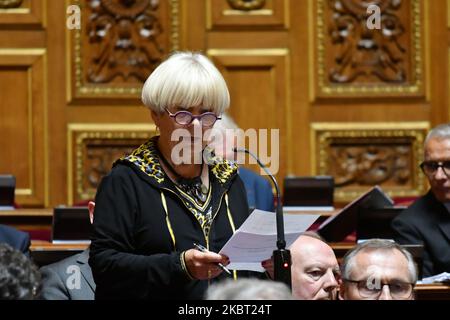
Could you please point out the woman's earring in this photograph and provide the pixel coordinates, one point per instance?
(156, 131)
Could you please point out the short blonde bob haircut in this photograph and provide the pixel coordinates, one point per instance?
(187, 80)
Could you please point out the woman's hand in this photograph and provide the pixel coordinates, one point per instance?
(268, 265)
(203, 265)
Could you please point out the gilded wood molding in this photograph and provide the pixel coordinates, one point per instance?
(92, 148)
(362, 155)
(33, 127)
(119, 44)
(354, 60)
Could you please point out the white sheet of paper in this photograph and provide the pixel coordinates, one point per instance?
(256, 239)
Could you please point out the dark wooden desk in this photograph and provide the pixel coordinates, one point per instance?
(28, 219)
(44, 252)
(435, 291)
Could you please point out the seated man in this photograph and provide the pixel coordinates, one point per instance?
(71, 278)
(378, 270)
(427, 220)
(15, 238)
(19, 277)
(259, 190)
(315, 273)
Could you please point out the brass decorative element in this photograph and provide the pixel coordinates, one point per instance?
(8, 4)
(92, 149)
(355, 60)
(247, 5)
(119, 45)
(362, 155)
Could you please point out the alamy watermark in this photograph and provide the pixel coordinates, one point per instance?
(204, 146)
(73, 281)
(374, 19)
(73, 17)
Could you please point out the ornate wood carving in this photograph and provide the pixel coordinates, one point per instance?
(247, 5)
(362, 155)
(93, 149)
(8, 4)
(124, 40)
(371, 164)
(356, 59)
(364, 55)
(98, 157)
(119, 44)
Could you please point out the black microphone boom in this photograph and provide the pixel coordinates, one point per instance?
(281, 256)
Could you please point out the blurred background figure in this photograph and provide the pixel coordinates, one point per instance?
(248, 289)
(15, 238)
(259, 189)
(19, 277)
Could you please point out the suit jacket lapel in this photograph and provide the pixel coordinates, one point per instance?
(444, 225)
(442, 217)
(83, 260)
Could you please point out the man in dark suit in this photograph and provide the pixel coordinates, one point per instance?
(427, 220)
(71, 278)
(17, 239)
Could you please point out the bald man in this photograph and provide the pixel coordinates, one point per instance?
(315, 271)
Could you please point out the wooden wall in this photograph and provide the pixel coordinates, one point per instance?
(348, 101)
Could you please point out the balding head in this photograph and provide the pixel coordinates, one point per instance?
(314, 269)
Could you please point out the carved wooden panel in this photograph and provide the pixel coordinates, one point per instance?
(355, 56)
(92, 150)
(264, 76)
(359, 156)
(23, 12)
(119, 44)
(22, 123)
(247, 13)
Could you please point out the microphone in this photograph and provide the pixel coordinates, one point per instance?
(282, 257)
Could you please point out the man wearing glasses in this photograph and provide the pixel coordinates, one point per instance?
(427, 220)
(378, 270)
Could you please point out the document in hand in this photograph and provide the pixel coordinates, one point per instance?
(256, 239)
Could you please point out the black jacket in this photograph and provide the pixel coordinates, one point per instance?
(426, 222)
(133, 255)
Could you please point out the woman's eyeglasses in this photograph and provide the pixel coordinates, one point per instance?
(185, 118)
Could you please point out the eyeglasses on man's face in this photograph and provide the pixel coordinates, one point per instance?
(431, 167)
(372, 289)
(184, 118)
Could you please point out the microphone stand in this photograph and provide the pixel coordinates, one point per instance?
(281, 256)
